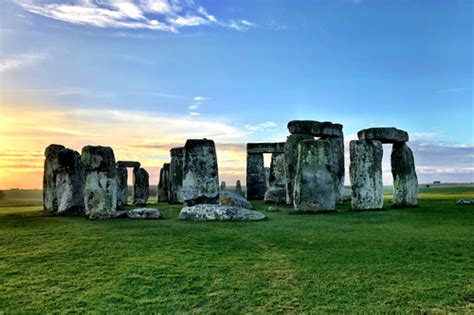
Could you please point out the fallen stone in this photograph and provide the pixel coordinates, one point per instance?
(315, 128)
(276, 196)
(131, 164)
(176, 175)
(464, 202)
(145, 213)
(228, 198)
(122, 187)
(314, 186)
(108, 215)
(272, 209)
(213, 212)
(405, 181)
(200, 175)
(383, 134)
(141, 186)
(366, 174)
(256, 181)
(163, 185)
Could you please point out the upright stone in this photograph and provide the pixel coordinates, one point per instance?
(163, 185)
(405, 181)
(100, 191)
(276, 192)
(200, 175)
(256, 182)
(366, 174)
(51, 166)
(176, 175)
(122, 187)
(223, 186)
(291, 159)
(238, 187)
(141, 186)
(337, 170)
(314, 186)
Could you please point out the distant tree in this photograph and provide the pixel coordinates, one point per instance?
(2, 194)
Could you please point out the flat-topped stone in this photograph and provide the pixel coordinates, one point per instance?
(145, 213)
(213, 212)
(178, 152)
(128, 164)
(266, 147)
(315, 128)
(383, 134)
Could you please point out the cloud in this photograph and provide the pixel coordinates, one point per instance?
(158, 15)
(452, 90)
(19, 61)
(201, 98)
(194, 114)
(192, 107)
(267, 125)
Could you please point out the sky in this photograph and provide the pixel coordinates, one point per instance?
(142, 76)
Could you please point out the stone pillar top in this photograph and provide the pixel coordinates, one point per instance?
(266, 147)
(178, 152)
(315, 128)
(128, 164)
(383, 134)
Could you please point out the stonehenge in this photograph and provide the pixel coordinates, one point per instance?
(162, 193)
(122, 186)
(141, 185)
(176, 175)
(405, 181)
(140, 190)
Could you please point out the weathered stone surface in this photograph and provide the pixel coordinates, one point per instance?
(163, 185)
(200, 175)
(63, 181)
(267, 178)
(272, 209)
(291, 159)
(314, 186)
(100, 191)
(141, 186)
(176, 175)
(122, 187)
(145, 213)
(108, 215)
(337, 168)
(276, 192)
(366, 174)
(383, 134)
(131, 164)
(238, 188)
(275, 195)
(315, 128)
(213, 212)
(465, 202)
(256, 182)
(405, 181)
(266, 147)
(228, 198)
(223, 186)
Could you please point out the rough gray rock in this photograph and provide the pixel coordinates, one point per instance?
(122, 187)
(275, 195)
(315, 128)
(266, 147)
(176, 175)
(200, 175)
(267, 178)
(145, 213)
(405, 181)
(366, 174)
(256, 182)
(291, 159)
(228, 198)
(141, 186)
(163, 185)
(383, 134)
(63, 181)
(314, 186)
(337, 168)
(108, 215)
(223, 186)
(464, 202)
(272, 209)
(100, 191)
(238, 188)
(213, 212)
(131, 164)
(277, 176)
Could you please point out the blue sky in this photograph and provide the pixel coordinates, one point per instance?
(246, 66)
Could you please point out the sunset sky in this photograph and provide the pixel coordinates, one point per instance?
(143, 76)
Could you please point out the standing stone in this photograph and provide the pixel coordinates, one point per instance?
(267, 178)
(100, 191)
(314, 186)
(223, 186)
(63, 181)
(163, 185)
(238, 187)
(122, 187)
(141, 186)
(276, 192)
(176, 175)
(366, 174)
(256, 182)
(337, 149)
(405, 181)
(291, 159)
(200, 175)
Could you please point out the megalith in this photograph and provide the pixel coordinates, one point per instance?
(223, 186)
(200, 173)
(405, 181)
(256, 181)
(63, 181)
(163, 185)
(141, 186)
(100, 191)
(383, 134)
(313, 185)
(366, 174)
(238, 187)
(176, 175)
(276, 192)
(337, 169)
(291, 160)
(122, 187)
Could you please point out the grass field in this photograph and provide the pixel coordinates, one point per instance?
(409, 260)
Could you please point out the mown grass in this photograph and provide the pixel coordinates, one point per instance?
(408, 260)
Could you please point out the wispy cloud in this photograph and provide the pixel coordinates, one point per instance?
(19, 61)
(159, 15)
(201, 98)
(452, 90)
(198, 101)
(267, 125)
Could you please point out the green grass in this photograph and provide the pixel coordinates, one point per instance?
(408, 260)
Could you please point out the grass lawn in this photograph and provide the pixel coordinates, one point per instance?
(409, 260)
